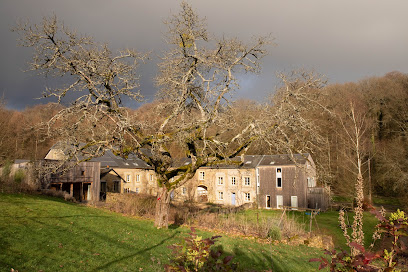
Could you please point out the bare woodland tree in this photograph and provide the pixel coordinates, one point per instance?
(289, 123)
(196, 77)
(355, 127)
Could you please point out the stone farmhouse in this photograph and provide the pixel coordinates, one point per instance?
(115, 174)
(263, 181)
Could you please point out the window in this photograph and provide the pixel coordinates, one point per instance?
(137, 178)
(247, 181)
(247, 197)
(220, 180)
(220, 195)
(126, 190)
(279, 182)
(279, 177)
(311, 182)
(233, 180)
(184, 190)
(151, 177)
(127, 178)
(137, 190)
(82, 173)
(201, 175)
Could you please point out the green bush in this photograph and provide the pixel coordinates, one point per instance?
(275, 233)
(19, 176)
(6, 170)
(198, 254)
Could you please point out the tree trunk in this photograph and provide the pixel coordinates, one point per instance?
(161, 218)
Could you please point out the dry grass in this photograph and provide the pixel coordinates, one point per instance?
(236, 220)
(59, 194)
(131, 204)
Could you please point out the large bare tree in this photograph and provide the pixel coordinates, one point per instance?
(195, 80)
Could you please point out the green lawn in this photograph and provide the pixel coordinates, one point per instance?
(40, 233)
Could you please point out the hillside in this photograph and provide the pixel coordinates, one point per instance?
(40, 233)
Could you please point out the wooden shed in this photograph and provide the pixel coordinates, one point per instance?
(82, 181)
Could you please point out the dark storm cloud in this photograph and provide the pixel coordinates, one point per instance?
(345, 40)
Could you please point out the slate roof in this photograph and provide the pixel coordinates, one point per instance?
(19, 161)
(253, 161)
(250, 161)
(284, 159)
(111, 160)
(105, 171)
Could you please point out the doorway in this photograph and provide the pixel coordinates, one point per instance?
(202, 194)
(294, 202)
(233, 199)
(279, 201)
(268, 201)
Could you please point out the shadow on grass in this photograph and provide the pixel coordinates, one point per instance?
(107, 265)
(174, 226)
(53, 217)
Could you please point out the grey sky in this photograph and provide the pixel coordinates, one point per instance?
(345, 40)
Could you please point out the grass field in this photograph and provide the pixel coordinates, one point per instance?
(40, 233)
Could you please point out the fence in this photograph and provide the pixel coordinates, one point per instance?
(318, 198)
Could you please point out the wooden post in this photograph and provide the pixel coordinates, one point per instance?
(71, 190)
(81, 192)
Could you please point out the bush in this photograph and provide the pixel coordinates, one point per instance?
(59, 194)
(197, 254)
(396, 227)
(5, 171)
(19, 176)
(131, 204)
(274, 233)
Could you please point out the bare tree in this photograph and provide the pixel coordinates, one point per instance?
(289, 123)
(196, 77)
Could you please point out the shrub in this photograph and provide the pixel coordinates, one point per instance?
(197, 254)
(274, 233)
(59, 194)
(395, 226)
(131, 204)
(5, 171)
(19, 176)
